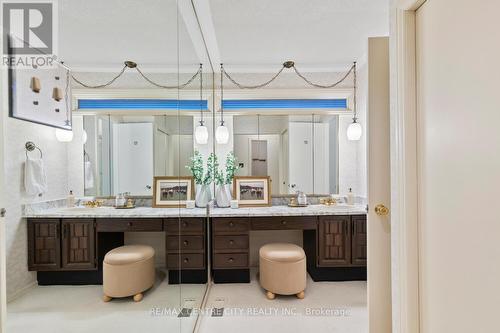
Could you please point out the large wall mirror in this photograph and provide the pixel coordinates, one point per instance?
(298, 152)
(124, 153)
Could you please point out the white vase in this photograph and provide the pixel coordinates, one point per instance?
(223, 195)
(203, 195)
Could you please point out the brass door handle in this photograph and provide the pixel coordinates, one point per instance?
(381, 210)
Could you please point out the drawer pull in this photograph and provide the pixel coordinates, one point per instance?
(230, 260)
(185, 243)
(184, 224)
(186, 260)
(129, 224)
(283, 222)
(231, 242)
(231, 224)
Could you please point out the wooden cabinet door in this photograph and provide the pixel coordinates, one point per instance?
(358, 229)
(44, 248)
(334, 241)
(78, 244)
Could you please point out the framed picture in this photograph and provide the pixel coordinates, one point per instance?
(40, 95)
(172, 191)
(252, 191)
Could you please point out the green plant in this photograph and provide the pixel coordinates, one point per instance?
(212, 169)
(212, 174)
(196, 168)
(231, 167)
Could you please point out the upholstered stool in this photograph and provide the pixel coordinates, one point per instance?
(283, 269)
(128, 271)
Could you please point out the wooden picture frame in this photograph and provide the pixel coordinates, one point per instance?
(245, 200)
(161, 194)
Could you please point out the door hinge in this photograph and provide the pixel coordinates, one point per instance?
(2, 212)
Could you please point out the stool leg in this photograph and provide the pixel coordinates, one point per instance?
(270, 295)
(300, 295)
(138, 297)
(106, 298)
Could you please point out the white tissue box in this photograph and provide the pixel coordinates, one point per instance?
(190, 204)
(234, 204)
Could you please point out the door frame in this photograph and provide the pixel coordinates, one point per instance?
(3, 241)
(404, 181)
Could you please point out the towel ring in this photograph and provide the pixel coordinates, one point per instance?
(30, 146)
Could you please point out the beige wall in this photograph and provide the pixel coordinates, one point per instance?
(458, 51)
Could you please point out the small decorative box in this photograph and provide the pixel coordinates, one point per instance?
(190, 204)
(234, 204)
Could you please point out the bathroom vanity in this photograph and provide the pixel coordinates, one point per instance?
(67, 245)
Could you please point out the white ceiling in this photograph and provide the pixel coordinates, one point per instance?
(100, 34)
(247, 35)
(256, 35)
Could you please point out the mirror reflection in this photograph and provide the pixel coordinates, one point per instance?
(124, 153)
(299, 153)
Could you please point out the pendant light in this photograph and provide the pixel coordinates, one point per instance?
(201, 131)
(354, 130)
(222, 133)
(84, 137)
(63, 135)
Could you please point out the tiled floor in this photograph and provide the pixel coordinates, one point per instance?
(327, 307)
(78, 309)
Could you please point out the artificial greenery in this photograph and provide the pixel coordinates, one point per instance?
(231, 167)
(196, 168)
(212, 168)
(213, 174)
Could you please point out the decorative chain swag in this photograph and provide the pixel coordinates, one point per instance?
(133, 65)
(288, 65)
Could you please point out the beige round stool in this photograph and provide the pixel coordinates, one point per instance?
(128, 271)
(282, 269)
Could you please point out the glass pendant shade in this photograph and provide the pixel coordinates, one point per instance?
(64, 135)
(84, 137)
(201, 134)
(222, 134)
(354, 131)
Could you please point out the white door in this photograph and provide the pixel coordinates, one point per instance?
(133, 158)
(300, 157)
(379, 194)
(321, 158)
(3, 256)
(458, 161)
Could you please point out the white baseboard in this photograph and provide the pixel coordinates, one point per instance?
(21, 291)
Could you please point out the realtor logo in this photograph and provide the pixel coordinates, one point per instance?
(30, 26)
(29, 33)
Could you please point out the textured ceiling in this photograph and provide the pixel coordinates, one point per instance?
(103, 33)
(314, 33)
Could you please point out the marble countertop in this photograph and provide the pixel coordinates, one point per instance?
(341, 209)
(148, 212)
(110, 212)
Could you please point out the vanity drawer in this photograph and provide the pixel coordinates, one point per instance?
(231, 225)
(231, 242)
(186, 261)
(284, 223)
(123, 225)
(186, 243)
(188, 225)
(231, 260)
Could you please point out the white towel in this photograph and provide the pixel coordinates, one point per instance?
(89, 175)
(35, 180)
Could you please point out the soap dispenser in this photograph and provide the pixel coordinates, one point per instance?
(70, 201)
(350, 197)
(301, 198)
